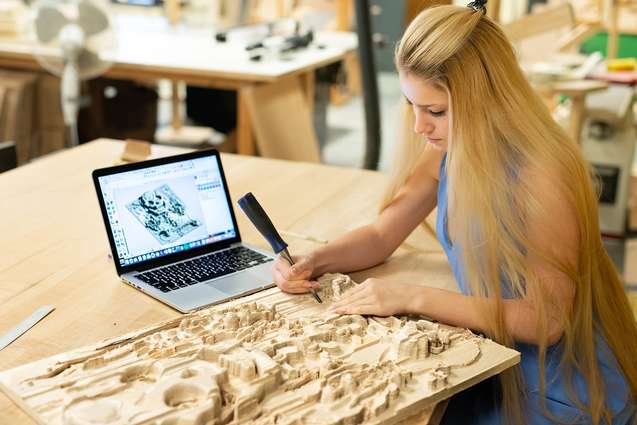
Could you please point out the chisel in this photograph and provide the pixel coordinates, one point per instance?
(261, 221)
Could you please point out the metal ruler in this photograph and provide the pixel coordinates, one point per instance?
(25, 325)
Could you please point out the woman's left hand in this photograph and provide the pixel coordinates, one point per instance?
(376, 297)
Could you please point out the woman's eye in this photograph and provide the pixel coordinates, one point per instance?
(437, 113)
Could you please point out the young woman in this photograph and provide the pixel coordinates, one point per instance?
(517, 217)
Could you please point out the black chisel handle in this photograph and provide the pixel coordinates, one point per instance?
(261, 221)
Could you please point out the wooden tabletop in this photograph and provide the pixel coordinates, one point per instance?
(148, 47)
(55, 249)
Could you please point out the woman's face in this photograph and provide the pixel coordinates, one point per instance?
(431, 109)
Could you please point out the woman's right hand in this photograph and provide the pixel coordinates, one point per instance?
(294, 279)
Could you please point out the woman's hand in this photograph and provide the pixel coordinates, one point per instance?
(377, 297)
(294, 279)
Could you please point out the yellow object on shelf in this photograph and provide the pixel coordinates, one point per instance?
(623, 64)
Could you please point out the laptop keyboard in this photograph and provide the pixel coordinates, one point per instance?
(201, 269)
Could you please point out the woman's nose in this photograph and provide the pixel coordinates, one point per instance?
(422, 126)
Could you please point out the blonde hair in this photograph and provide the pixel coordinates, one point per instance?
(499, 127)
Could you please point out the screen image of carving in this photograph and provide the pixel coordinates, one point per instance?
(165, 209)
(270, 358)
(160, 213)
(163, 214)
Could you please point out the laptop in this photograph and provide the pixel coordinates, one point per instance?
(173, 232)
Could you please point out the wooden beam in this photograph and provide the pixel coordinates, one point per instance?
(344, 12)
(309, 89)
(245, 141)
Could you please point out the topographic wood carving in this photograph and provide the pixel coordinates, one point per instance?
(272, 358)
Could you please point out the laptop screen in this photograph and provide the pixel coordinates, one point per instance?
(166, 209)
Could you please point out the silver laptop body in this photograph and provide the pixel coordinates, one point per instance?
(173, 232)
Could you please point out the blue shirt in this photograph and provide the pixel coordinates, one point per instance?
(556, 397)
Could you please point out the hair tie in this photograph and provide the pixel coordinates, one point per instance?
(478, 6)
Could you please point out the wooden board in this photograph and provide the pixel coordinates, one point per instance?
(269, 358)
(282, 121)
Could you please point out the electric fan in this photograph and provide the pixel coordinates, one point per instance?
(72, 38)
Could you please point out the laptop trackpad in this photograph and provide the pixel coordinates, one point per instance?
(237, 283)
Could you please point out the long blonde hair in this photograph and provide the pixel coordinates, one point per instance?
(500, 127)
